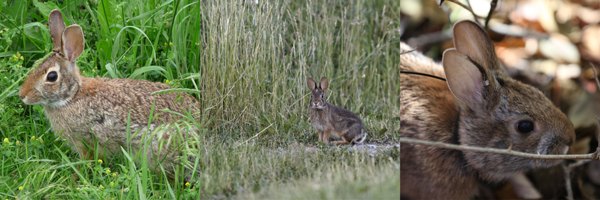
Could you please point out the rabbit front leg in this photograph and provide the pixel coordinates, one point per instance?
(320, 136)
(326, 136)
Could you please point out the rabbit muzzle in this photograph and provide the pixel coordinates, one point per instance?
(317, 105)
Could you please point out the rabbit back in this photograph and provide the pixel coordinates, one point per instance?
(429, 112)
(101, 108)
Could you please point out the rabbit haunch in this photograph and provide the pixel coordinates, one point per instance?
(467, 110)
(88, 110)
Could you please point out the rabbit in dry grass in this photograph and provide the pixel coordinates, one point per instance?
(480, 106)
(331, 119)
(88, 110)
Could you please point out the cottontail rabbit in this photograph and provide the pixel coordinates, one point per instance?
(328, 118)
(480, 106)
(87, 110)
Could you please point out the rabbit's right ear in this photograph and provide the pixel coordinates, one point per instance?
(311, 84)
(73, 42)
(56, 26)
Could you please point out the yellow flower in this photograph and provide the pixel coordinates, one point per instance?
(165, 44)
(108, 171)
(114, 174)
(167, 81)
(112, 183)
(20, 187)
(85, 182)
(100, 161)
(187, 184)
(102, 187)
(6, 140)
(170, 44)
(85, 188)
(89, 164)
(33, 137)
(18, 143)
(21, 57)
(1, 31)
(78, 189)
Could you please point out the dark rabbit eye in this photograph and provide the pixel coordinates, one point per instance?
(525, 127)
(52, 76)
(323, 96)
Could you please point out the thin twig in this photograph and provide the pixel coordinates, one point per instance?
(492, 8)
(578, 163)
(465, 7)
(591, 156)
(567, 181)
(474, 16)
(255, 135)
(405, 52)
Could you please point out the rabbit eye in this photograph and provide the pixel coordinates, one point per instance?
(525, 127)
(52, 76)
(323, 96)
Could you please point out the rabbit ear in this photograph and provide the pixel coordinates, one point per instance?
(73, 42)
(324, 83)
(56, 26)
(311, 84)
(471, 40)
(463, 77)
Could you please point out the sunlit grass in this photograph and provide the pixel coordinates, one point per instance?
(246, 63)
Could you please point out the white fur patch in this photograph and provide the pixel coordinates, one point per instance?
(361, 139)
(57, 104)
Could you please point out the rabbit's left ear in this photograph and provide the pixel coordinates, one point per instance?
(324, 83)
(73, 42)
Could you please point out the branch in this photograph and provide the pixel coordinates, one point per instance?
(591, 156)
(567, 181)
(404, 52)
(492, 8)
(465, 7)
(474, 16)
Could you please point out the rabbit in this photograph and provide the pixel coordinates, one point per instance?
(331, 119)
(88, 110)
(478, 105)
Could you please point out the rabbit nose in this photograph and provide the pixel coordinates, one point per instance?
(22, 95)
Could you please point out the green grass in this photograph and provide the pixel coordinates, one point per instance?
(248, 63)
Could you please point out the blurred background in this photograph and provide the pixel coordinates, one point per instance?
(550, 44)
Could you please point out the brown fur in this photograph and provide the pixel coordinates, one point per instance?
(330, 119)
(89, 110)
(430, 110)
